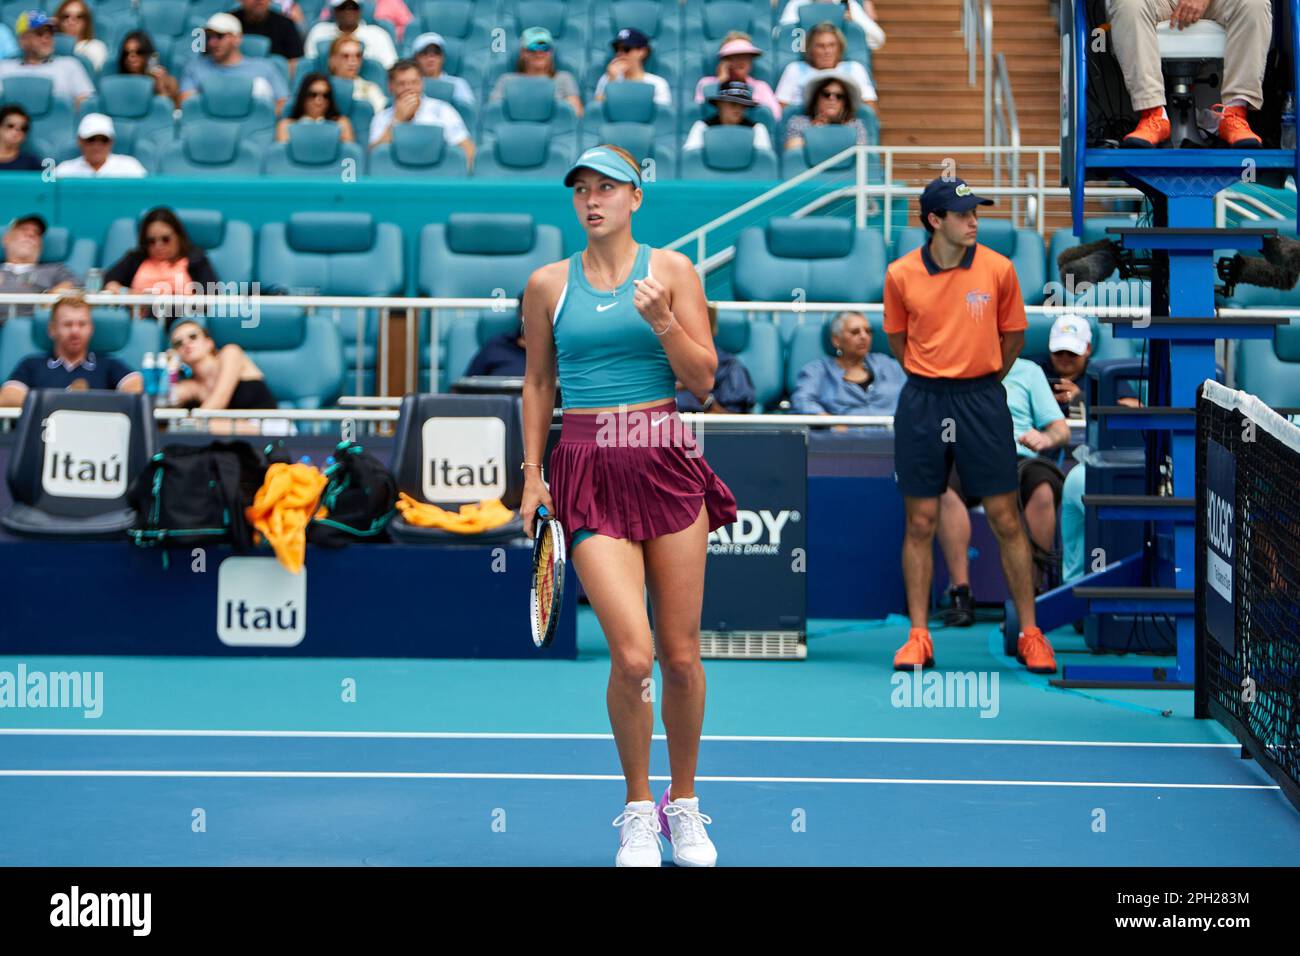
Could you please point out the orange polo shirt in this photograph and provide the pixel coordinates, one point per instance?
(953, 317)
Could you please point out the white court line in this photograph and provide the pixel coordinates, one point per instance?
(469, 735)
(422, 775)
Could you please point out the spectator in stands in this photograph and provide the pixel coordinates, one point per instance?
(376, 42)
(8, 43)
(393, 12)
(224, 34)
(75, 19)
(410, 105)
(863, 14)
(95, 135)
(219, 378)
(430, 56)
(733, 100)
(315, 104)
(138, 57)
(345, 62)
(855, 380)
(164, 261)
(1039, 428)
(1249, 26)
(733, 390)
(69, 364)
(23, 271)
(15, 124)
(825, 51)
(631, 51)
(1070, 343)
(537, 58)
(735, 63)
(505, 354)
(36, 38)
(257, 18)
(291, 10)
(830, 99)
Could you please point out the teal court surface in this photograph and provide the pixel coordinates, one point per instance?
(402, 762)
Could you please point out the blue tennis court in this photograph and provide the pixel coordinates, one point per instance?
(263, 762)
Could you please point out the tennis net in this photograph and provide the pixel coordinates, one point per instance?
(1248, 577)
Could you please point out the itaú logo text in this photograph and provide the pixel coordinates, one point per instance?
(754, 532)
(85, 454)
(260, 604)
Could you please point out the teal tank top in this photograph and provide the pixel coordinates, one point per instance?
(606, 354)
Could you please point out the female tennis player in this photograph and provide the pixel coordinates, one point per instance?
(621, 323)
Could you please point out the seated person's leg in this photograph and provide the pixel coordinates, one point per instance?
(1249, 28)
(1040, 497)
(1072, 523)
(1132, 36)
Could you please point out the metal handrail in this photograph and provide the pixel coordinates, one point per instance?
(1007, 133)
(977, 32)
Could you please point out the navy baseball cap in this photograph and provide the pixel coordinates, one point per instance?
(630, 37)
(950, 195)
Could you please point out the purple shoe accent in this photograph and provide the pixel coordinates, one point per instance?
(663, 819)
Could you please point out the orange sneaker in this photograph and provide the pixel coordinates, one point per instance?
(1035, 653)
(917, 652)
(1235, 131)
(1152, 129)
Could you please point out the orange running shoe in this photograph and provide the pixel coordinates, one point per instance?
(1035, 653)
(1152, 129)
(917, 652)
(1235, 131)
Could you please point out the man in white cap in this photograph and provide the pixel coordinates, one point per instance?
(1070, 345)
(375, 41)
(430, 53)
(95, 135)
(36, 38)
(223, 34)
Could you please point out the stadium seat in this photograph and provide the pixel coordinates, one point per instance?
(531, 100)
(255, 46)
(473, 255)
(729, 153)
(228, 243)
(335, 253)
(639, 140)
(300, 355)
(523, 150)
(568, 26)
(1024, 247)
(45, 507)
(417, 151)
(314, 150)
(492, 450)
(207, 148)
(138, 114)
(632, 103)
(811, 340)
(816, 259)
(60, 246)
(53, 126)
(657, 20)
(758, 346)
(467, 24)
(668, 66)
(1270, 370)
(229, 99)
(443, 89)
(466, 338)
(820, 143)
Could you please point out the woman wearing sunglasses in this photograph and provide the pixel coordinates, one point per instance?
(165, 261)
(830, 99)
(75, 19)
(315, 104)
(137, 57)
(15, 124)
(222, 377)
(537, 58)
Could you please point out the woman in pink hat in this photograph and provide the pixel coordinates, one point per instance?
(735, 63)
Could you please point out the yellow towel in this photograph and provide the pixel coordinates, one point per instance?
(282, 508)
(471, 519)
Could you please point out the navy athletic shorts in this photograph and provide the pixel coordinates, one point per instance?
(945, 422)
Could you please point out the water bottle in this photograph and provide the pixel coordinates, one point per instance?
(149, 372)
(1288, 122)
(95, 279)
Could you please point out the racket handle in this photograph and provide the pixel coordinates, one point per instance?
(542, 512)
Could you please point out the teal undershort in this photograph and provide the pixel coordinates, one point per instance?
(580, 535)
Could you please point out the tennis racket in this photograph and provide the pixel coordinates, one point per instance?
(548, 576)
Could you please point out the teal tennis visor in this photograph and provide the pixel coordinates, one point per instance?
(607, 163)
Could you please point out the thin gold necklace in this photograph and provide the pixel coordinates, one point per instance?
(613, 289)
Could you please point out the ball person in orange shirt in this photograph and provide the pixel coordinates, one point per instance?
(955, 317)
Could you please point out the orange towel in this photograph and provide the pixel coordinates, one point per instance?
(471, 519)
(282, 508)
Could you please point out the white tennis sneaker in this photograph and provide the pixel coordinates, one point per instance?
(683, 824)
(638, 840)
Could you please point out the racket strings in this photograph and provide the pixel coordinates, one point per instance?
(545, 579)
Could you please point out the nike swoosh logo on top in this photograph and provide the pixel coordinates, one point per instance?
(607, 305)
(659, 421)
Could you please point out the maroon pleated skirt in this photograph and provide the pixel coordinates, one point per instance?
(634, 474)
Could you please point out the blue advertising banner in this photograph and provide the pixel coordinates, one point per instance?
(1220, 544)
(756, 575)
